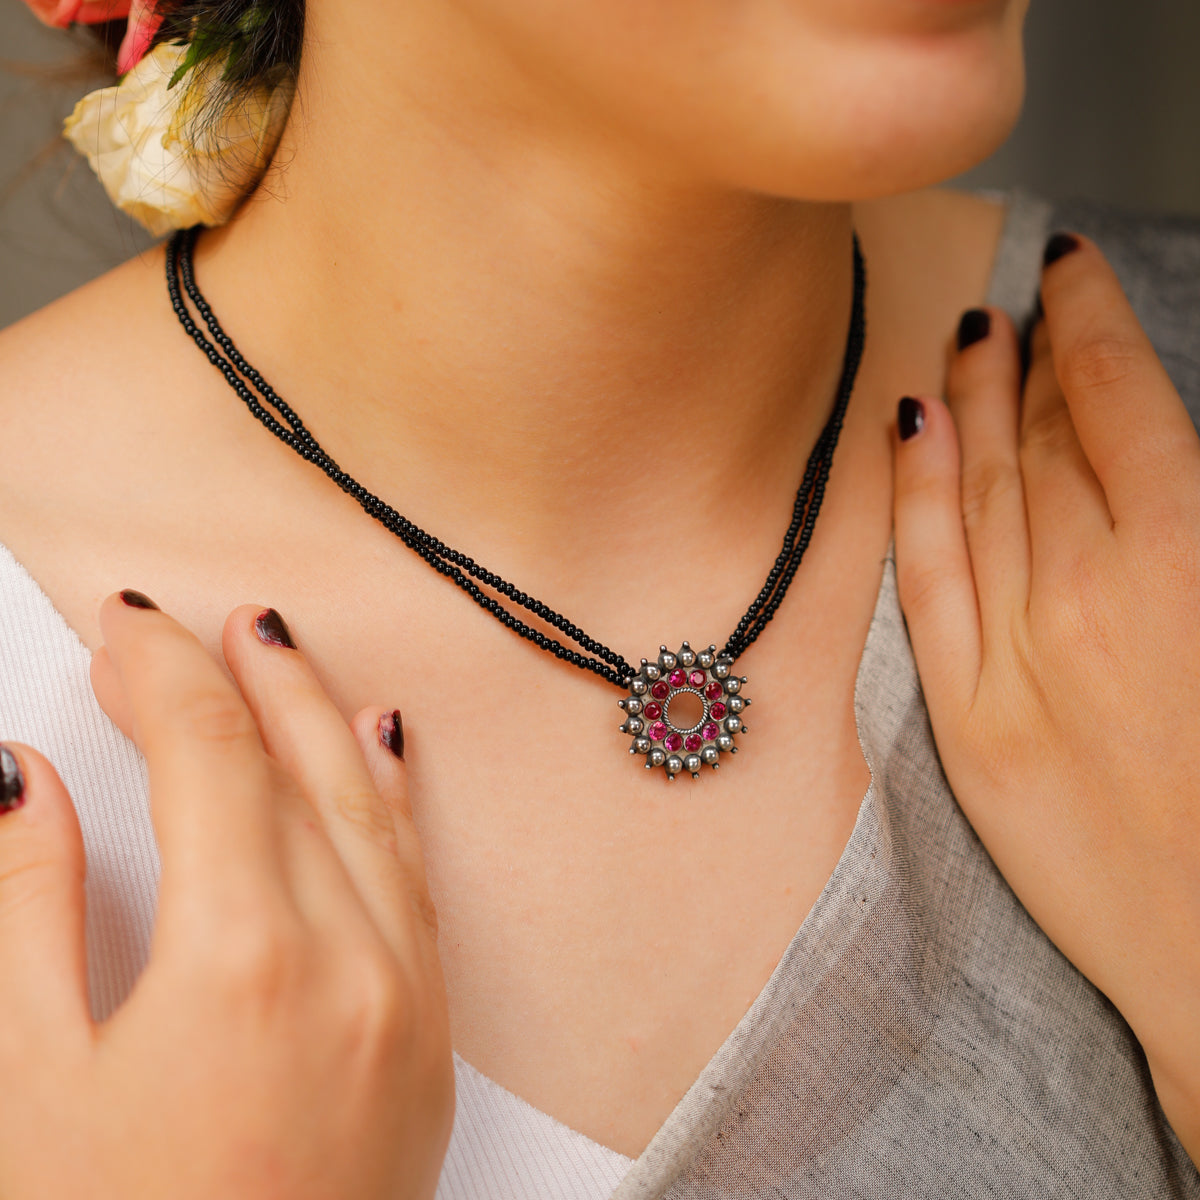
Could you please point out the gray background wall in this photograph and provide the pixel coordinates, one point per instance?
(1113, 112)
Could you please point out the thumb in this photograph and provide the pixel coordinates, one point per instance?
(933, 565)
(43, 957)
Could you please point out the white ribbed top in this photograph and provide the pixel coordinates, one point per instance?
(502, 1148)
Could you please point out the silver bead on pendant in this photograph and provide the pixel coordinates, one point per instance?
(684, 709)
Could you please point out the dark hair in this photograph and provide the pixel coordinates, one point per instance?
(263, 38)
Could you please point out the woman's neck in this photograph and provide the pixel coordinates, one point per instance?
(530, 328)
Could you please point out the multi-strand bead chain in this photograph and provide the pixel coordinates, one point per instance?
(661, 741)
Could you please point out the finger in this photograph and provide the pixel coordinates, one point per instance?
(109, 691)
(933, 567)
(1066, 505)
(305, 733)
(983, 389)
(43, 966)
(210, 787)
(380, 736)
(1131, 423)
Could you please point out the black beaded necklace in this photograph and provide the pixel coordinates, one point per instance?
(701, 682)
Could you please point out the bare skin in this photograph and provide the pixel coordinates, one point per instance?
(582, 905)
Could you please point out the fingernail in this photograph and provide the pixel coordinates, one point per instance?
(137, 599)
(12, 782)
(272, 629)
(910, 417)
(1059, 246)
(391, 733)
(975, 325)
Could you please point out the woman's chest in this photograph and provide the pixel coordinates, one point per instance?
(601, 936)
(602, 929)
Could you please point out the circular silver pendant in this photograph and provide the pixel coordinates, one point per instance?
(684, 710)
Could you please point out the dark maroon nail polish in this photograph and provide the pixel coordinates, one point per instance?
(910, 418)
(1059, 246)
(137, 599)
(12, 782)
(975, 325)
(272, 629)
(391, 733)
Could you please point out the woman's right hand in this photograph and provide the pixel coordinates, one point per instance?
(289, 1038)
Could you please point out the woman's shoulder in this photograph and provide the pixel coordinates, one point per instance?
(83, 389)
(1143, 243)
(66, 368)
(81, 341)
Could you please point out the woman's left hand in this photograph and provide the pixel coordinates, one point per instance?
(1050, 577)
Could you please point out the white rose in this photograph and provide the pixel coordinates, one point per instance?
(136, 138)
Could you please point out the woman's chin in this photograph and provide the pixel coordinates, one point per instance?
(922, 130)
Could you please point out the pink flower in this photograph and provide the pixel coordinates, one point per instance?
(143, 21)
(61, 13)
(143, 24)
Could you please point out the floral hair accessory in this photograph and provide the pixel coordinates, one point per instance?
(143, 21)
(178, 141)
(137, 139)
(143, 25)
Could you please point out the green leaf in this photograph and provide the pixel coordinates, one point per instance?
(253, 19)
(205, 43)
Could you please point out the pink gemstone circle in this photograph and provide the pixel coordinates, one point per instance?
(661, 690)
(658, 731)
(694, 742)
(713, 691)
(653, 711)
(717, 711)
(678, 677)
(711, 730)
(673, 742)
(698, 678)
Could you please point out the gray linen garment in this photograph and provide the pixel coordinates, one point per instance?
(921, 1037)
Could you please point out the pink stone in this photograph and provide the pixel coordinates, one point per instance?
(678, 677)
(658, 731)
(714, 690)
(698, 678)
(717, 711)
(673, 742)
(694, 742)
(653, 711)
(661, 690)
(711, 730)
